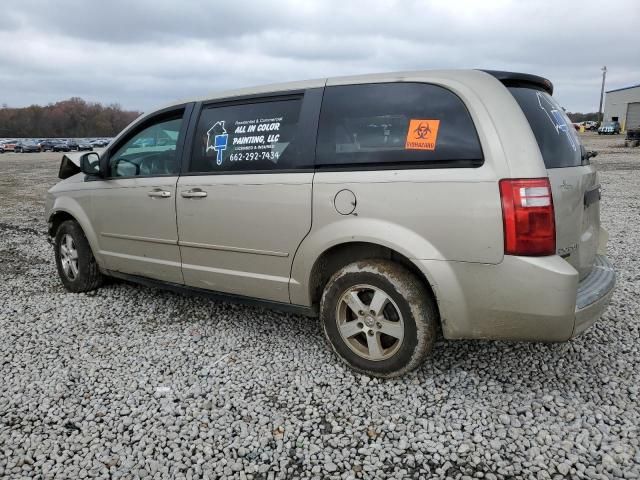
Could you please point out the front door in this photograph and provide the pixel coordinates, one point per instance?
(134, 209)
(244, 203)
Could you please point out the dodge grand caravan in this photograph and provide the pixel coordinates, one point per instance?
(392, 206)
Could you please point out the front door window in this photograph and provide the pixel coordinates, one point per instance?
(150, 152)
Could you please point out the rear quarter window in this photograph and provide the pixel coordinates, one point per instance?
(556, 137)
(396, 124)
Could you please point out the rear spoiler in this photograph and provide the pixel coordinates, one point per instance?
(514, 79)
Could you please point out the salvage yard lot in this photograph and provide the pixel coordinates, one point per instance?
(130, 382)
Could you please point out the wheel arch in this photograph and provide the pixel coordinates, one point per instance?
(56, 219)
(66, 208)
(337, 256)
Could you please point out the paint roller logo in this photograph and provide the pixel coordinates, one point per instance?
(217, 139)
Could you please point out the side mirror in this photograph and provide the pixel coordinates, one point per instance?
(90, 164)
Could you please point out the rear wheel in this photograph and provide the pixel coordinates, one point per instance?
(76, 264)
(378, 317)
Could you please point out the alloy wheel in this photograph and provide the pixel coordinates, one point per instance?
(69, 257)
(370, 322)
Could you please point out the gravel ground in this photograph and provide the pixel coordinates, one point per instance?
(131, 382)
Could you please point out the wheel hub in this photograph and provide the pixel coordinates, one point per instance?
(370, 322)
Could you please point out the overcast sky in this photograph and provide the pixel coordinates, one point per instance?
(141, 53)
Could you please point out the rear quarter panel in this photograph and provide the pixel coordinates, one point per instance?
(443, 214)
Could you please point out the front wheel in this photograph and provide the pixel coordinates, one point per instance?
(76, 264)
(378, 317)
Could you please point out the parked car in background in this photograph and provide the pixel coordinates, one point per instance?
(48, 145)
(73, 145)
(84, 145)
(100, 142)
(1, 147)
(591, 125)
(9, 145)
(393, 206)
(609, 128)
(27, 146)
(61, 147)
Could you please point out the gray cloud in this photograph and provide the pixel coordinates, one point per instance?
(144, 53)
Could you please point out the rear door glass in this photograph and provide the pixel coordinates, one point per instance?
(256, 136)
(557, 138)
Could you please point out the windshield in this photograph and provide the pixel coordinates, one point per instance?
(610, 124)
(557, 138)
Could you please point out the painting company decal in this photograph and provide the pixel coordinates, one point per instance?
(557, 119)
(257, 139)
(422, 134)
(217, 139)
(247, 140)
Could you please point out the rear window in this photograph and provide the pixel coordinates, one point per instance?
(396, 124)
(557, 138)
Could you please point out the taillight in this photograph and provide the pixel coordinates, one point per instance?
(527, 213)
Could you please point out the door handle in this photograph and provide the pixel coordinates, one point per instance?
(159, 193)
(195, 193)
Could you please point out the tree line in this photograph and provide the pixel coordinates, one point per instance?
(69, 118)
(582, 117)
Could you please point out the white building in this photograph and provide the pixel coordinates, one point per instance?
(623, 105)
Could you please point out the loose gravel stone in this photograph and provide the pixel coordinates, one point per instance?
(132, 382)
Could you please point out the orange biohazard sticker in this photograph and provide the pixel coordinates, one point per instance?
(422, 134)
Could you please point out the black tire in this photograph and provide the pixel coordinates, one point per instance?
(88, 276)
(405, 292)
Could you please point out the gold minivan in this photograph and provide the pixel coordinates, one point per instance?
(392, 206)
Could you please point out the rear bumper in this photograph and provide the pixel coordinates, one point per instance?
(522, 298)
(594, 294)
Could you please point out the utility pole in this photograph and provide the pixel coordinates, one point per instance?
(604, 75)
